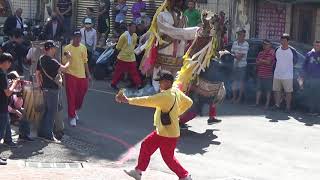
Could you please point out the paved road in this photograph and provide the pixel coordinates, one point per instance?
(250, 143)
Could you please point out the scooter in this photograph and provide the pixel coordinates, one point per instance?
(105, 63)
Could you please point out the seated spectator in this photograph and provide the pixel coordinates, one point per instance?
(137, 8)
(53, 29)
(89, 39)
(144, 20)
(310, 81)
(265, 62)
(126, 59)
(89, 14)
(121, 12)
(15, 100)
(47, 70)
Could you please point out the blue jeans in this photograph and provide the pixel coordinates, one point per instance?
(50, 109)
(5, 129)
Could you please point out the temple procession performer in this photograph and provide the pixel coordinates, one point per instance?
(167, 43)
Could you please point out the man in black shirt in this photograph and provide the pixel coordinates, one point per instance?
(47, 70)
(5, 91)
(16, 48)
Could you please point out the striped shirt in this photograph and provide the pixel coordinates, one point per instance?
(266, 70)
(64, 5)
(240, 48)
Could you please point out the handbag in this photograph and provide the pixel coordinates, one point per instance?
(165, 116)
(58, 79)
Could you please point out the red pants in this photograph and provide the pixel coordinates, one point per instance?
(167, 145)
(76, 89)
(131, 68)
(189, 115)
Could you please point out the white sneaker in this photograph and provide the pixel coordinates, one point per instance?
(186, 178)
(77, 117)
(134, 174)
(73, 122)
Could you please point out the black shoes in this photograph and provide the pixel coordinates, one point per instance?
(10, 144)
(213, 121)
(183, 126)
(3, 161)
(25, 138)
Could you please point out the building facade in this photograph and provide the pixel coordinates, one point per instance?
(271, 18)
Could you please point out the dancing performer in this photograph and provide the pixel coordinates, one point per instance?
(168, 40)
(199, 75)
(170, 103)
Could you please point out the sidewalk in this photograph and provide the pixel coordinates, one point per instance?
(17, 170)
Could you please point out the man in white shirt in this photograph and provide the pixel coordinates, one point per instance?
(89, 39)
(283, 74)
(240, 50)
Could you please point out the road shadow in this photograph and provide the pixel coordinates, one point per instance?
(196, 143)
(276, 116)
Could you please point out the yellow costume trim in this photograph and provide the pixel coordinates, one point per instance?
(191, 69)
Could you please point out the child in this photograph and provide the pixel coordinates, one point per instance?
(126, 58)
(15, 100)
(6, 60)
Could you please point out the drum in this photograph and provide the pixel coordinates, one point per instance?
(168, 63)
(33, 104)
(210, 84)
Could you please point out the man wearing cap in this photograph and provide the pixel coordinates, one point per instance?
(265, 62)
(47, 70)
(169, 100)
(240, 50)
(76, 76)
(89, 39)
(283, 73)
(126, 58)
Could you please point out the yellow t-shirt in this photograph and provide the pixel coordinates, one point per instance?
(78, 60)
(127, 51)
(164, 101)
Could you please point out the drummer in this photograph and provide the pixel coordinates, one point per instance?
(47, 69)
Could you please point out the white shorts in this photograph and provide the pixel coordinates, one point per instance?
(286, 84)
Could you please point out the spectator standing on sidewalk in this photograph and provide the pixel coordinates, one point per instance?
(16, 48)
(77, 76)
(103, 20)
(89, 15)
(64, 10)
(47, 69)
(240, 50)
(265, 62)
(5, 92)
(165, 137)
(283, 73)
(53, 29)
(126, 59)
(13, 22)
(193, 15)
(310, 80)
(89, 39)
(137, 8)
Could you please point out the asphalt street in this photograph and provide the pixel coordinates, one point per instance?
(250, 143)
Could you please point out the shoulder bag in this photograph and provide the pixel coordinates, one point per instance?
(165, 117)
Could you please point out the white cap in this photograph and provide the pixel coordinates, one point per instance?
(88, 21)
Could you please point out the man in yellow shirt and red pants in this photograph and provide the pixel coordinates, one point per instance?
(126, 58)
(165, 137)
(77, 76)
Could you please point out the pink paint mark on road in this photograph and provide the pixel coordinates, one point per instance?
(125, 157)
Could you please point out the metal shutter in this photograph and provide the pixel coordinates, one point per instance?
(152, 5)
